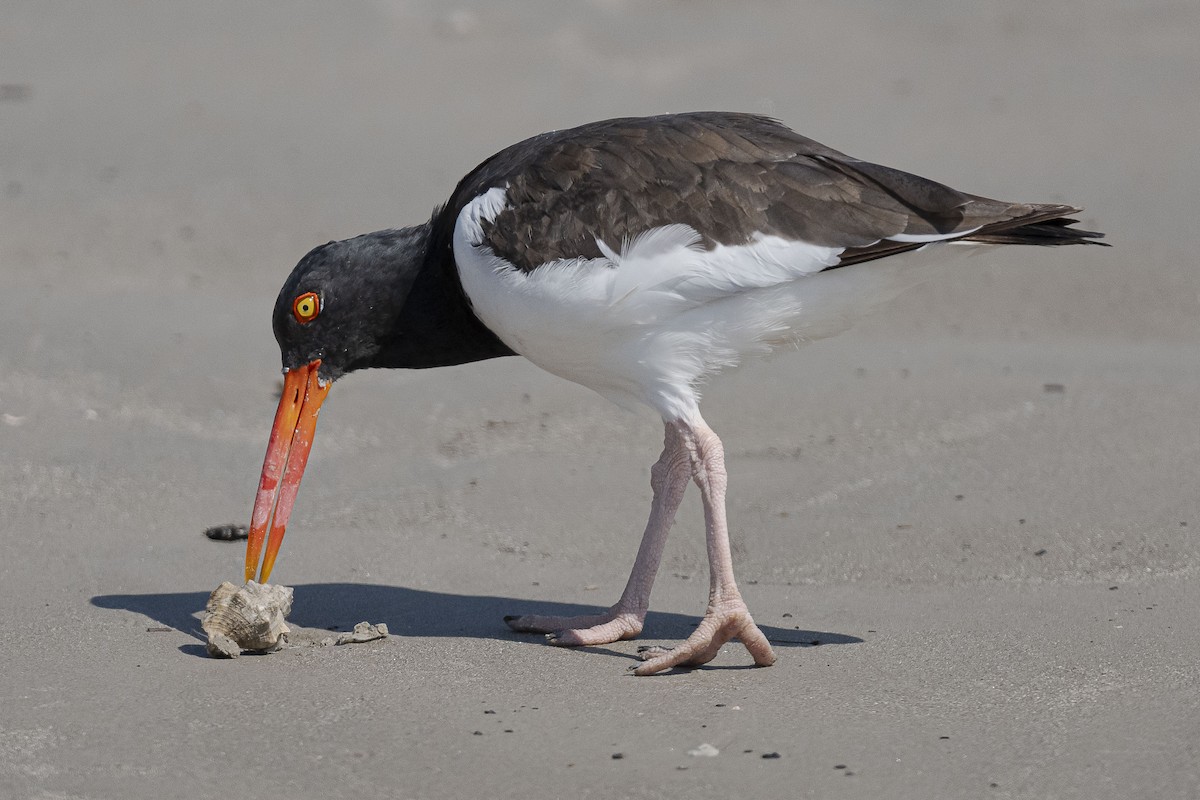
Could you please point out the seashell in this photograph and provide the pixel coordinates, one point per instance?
(364, 632)
(246, 618)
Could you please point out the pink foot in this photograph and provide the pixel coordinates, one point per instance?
(722, 622)
(587, 630)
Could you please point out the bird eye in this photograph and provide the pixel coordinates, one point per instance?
(306, 307)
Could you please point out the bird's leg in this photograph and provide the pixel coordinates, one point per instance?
(668, 479)
(727, 616)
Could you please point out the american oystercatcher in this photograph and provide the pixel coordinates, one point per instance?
(637, 257)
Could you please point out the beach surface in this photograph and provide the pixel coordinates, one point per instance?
(968, 524)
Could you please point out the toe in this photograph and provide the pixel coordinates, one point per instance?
(667, 659)
(622, 627)
(756, 642)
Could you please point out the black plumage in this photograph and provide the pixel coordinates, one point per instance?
(730, 177)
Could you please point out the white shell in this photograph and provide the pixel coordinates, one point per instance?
(246, 618)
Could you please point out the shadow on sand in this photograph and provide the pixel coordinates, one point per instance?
(412, 612)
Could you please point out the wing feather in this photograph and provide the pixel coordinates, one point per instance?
(733, 178)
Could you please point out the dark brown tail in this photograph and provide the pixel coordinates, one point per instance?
(1048, 226)
(1041, 224)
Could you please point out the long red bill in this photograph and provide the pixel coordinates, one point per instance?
(287, 453)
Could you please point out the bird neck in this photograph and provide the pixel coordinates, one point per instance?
(435, 326)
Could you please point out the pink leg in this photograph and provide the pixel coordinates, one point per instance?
(727, 616)
(668, 479)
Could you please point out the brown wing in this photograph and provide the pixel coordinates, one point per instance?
(728, 176)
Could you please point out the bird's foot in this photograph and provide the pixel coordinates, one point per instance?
(586, 630)
(722, 622)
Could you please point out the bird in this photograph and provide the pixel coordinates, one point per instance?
(638, 257)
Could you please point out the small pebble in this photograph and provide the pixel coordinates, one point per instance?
(705, 750)
(770, 755)
(617, 756)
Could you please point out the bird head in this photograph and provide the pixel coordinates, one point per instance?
(337, 312)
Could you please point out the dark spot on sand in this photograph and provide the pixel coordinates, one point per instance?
(227, 533)
(15, 92)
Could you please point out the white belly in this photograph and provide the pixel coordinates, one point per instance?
(649, 325)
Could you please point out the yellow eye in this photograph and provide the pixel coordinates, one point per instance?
(306, 307)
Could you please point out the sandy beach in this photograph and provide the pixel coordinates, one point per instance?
(968, 524)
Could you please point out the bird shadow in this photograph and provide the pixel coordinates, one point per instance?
(418, 613)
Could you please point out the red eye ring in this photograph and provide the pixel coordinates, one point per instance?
(306, 307)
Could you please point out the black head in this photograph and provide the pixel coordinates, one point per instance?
(378, 300)
(343, 301)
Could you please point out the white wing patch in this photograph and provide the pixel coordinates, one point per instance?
(650, 322)
(484, 207)
(930, 237)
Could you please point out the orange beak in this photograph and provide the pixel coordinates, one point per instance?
(287, 453)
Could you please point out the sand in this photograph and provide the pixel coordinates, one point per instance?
(968, 523)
